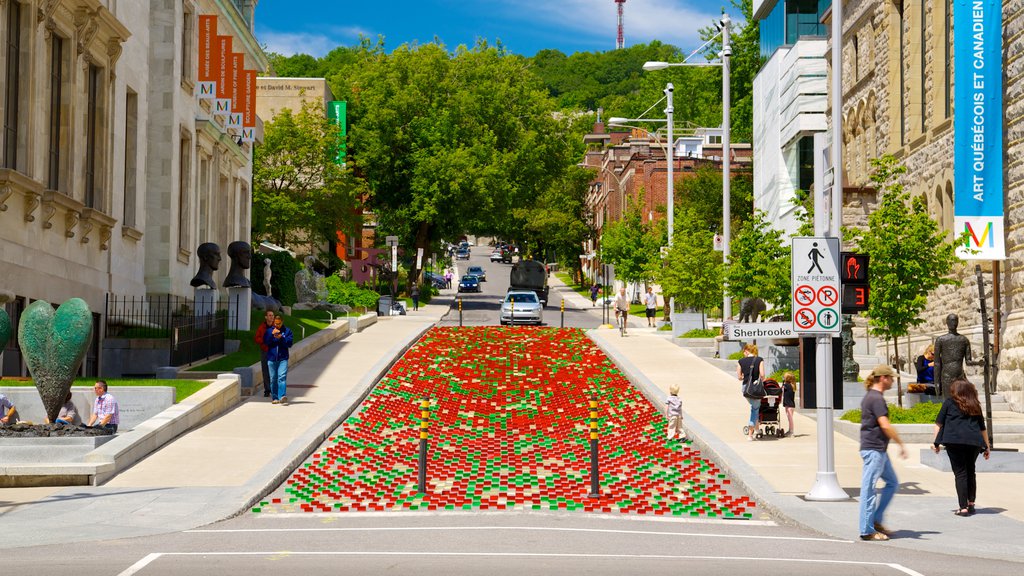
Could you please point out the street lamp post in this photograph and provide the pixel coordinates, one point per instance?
(670, 158)
(726, 160)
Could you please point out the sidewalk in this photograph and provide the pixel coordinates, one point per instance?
(222, 468)
(779, 472)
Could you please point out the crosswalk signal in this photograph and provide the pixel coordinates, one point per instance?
(853, 275)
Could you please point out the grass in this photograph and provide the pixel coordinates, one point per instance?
(924, 413)
(666, 327)
(777, 375)
(736, 355)
(182, 388)
(249, 352)
(700, 333)
(567, 279)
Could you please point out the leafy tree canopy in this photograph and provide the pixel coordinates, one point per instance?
(759, 264)
(692, 271)
(632, 245)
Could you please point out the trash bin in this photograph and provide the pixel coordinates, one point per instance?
(384, 306)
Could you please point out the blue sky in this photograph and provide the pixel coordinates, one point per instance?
(524, 26)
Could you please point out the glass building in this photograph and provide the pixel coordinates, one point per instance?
(789, 20)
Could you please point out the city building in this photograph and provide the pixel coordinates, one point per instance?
(790, 93)
(113, 169)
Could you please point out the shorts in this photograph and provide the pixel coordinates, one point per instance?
(651, 312)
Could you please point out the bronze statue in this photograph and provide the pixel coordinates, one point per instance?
(951, 351)
(240, 254)
(209, 260)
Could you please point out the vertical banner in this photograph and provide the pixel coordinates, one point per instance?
(206, 87)
(222, 104)
(235, 91)
(978, 129)
(249, 107)
(336, 113)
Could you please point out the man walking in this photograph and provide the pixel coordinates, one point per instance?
(875, 433)
(279, 340)
(105, 413)
(415, 293)
(264, 329)
(650, 305)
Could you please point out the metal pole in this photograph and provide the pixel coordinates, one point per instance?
(563, 313)
(726, 176)
(421, 485)
(595, 484)
(826, 486)
(670, 156)
(985, 353)
(460, 311)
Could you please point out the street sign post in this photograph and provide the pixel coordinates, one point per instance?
(816, 287)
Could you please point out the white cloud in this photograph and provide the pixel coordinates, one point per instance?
(675, 22)
(289, 43)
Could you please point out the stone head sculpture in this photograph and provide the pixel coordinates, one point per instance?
(952, 321)
(209, 260)
(240, 254)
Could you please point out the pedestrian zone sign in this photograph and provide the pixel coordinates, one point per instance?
(816, 288)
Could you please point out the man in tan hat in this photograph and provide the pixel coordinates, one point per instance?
(875, 433)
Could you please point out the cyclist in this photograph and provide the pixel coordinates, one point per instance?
(622, 308)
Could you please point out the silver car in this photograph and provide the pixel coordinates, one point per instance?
(521, 307)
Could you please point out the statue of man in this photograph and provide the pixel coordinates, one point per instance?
(951, 351)
(209, 260)
(266, 277)
(240, 254)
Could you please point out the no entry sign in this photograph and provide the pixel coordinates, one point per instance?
(815, 281)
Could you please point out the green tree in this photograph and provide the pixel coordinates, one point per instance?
(557, 222)
(692, 271)
(300, 195)
(746, 62)
(701, 195)
(632, 245)
(759, 264)
(910, 256)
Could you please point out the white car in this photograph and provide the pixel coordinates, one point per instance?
(521, 307)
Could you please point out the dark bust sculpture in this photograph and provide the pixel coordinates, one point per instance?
(951, 351)
(209, 260)
(240, 254)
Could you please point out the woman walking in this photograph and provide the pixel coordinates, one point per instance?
(960, 427)
(749, 368)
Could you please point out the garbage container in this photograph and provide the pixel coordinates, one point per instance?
(384, 306)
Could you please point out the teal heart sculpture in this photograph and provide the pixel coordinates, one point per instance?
(5, 329)
(54, 343)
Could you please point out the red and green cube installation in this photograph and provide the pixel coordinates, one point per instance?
(508, 429)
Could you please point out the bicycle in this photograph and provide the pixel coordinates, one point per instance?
(620, 319)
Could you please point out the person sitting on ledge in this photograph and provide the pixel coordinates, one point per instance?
(68, 414)
(105, 413)
(8, 413)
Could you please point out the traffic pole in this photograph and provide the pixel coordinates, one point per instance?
(460, 311)
(424, 416)
(595, 486)
(563, 313)
(512, 311)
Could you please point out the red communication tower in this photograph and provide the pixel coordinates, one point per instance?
(620, 42)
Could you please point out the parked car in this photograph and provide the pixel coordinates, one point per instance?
(477, 271)
(522, 307)
(462, 254)
(496, 256)
(436, 280)
(469, 284)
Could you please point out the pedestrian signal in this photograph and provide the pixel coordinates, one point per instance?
(853, 275)
(854, 268)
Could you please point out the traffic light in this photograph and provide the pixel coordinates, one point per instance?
(853, 275)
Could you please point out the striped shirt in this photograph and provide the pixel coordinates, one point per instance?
(104, 405)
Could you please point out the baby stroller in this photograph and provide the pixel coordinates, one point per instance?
(768, 422)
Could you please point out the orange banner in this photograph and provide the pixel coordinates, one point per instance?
(237, 70)
(224, 71)
(249, 96)
(207, 47)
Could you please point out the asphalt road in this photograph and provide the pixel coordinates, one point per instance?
(489, 543)
(481, 309)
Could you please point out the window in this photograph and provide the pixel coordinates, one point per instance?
(131, 156)
(184, 179)
(12, 92)
(948, 51)
(187, 44)
(923, 63)
(803, 18)
(805, 163)
(56, 101)
(855, 59)
(717, 139)
(93, 136)
(901, 23)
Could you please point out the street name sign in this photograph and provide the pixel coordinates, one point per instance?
(815, 283)
(755, 330)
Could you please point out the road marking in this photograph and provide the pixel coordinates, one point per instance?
(135, 568)
(518, 528)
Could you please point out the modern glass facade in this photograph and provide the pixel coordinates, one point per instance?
(791, 20)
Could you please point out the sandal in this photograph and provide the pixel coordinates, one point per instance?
(876, 536)
(970, 508)
(962, 512)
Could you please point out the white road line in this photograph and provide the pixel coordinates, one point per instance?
(511, 528)
(135, 568)
(285, 553)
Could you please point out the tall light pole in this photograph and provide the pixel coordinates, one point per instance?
(670, 157)
(726, 160)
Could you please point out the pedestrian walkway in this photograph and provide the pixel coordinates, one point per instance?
(779, 472)
(217, 470)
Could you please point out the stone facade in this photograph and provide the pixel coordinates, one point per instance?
(98, 111)
(898, 99)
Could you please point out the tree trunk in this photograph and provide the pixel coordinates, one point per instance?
(422, 241)
(899, 379)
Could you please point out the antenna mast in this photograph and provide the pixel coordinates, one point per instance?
(621, 40)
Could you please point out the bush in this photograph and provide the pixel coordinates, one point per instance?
(777, 375)
(282, 279)
(350, 294)
(924, 413)
(701, 333)
(736, 355)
